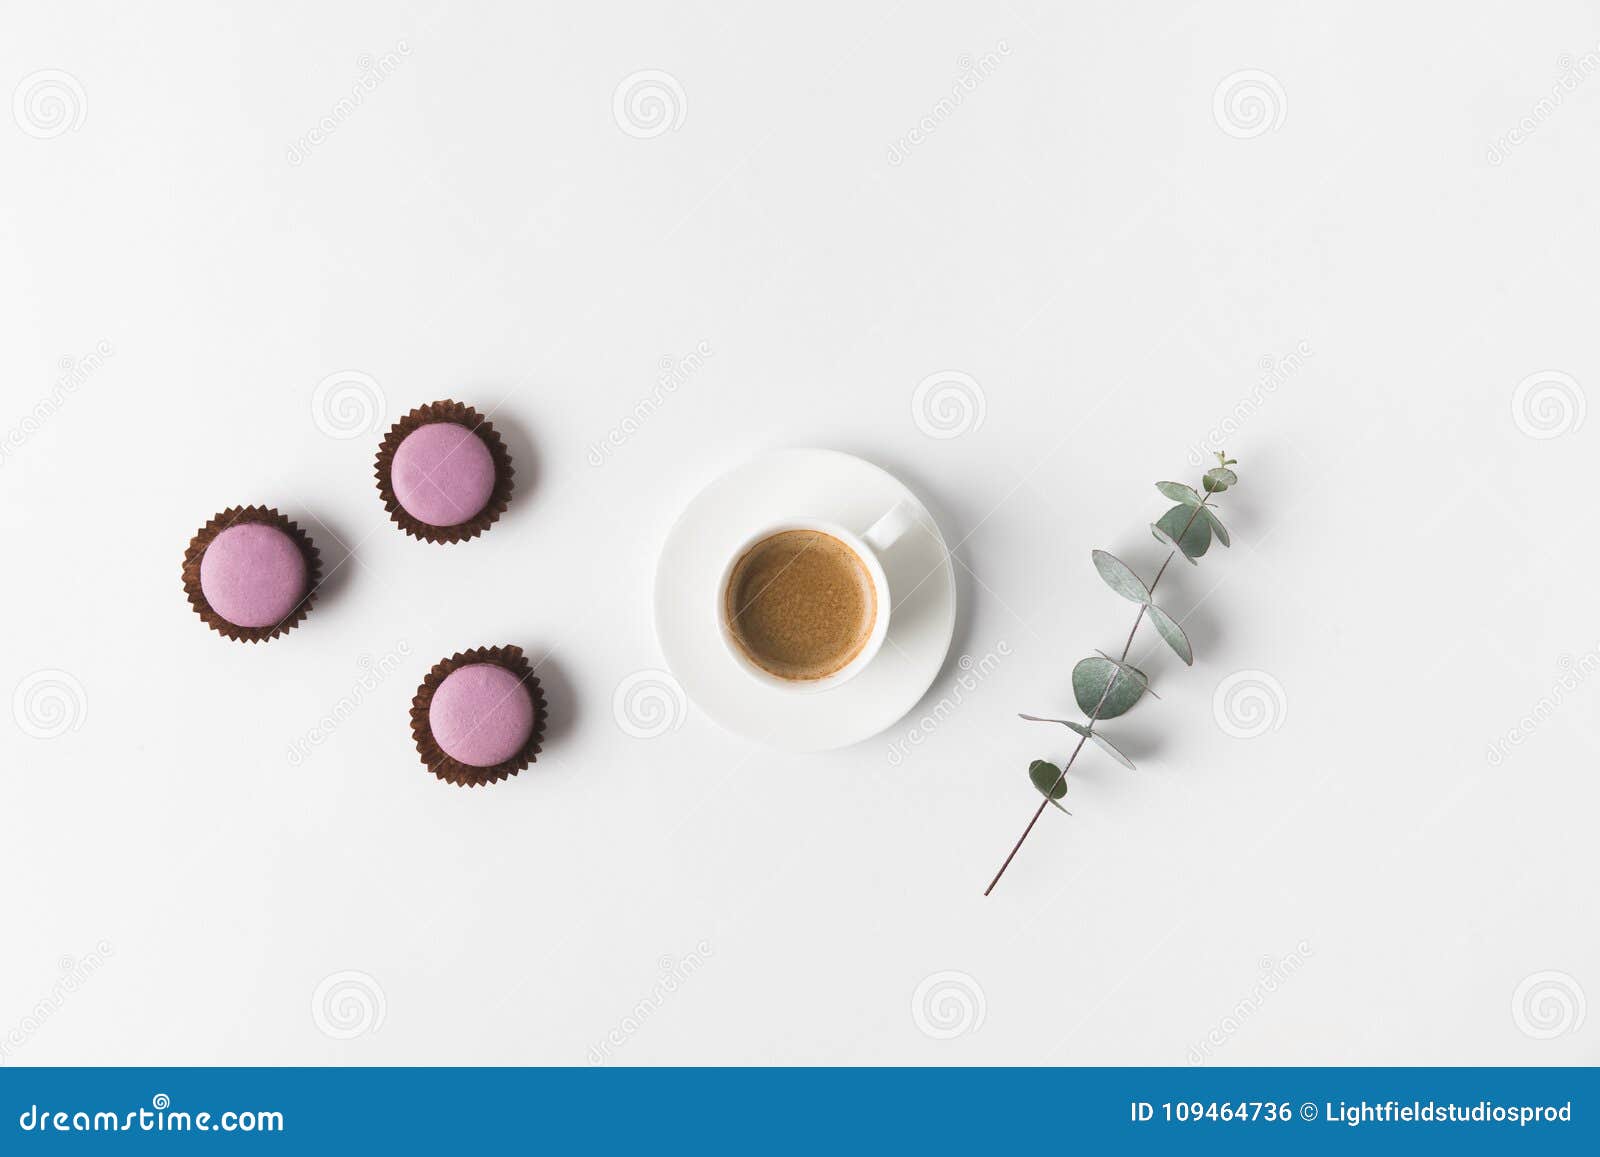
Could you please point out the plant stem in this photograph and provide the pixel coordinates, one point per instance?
(1095, 714)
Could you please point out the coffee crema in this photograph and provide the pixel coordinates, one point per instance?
(800, 604)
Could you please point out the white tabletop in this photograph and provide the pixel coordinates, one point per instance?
(1026, 257)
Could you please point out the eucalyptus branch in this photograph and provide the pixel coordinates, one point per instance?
(1188, 528)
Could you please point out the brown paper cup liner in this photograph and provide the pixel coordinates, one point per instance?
(234, 516)
(461, 415)
(453, 771)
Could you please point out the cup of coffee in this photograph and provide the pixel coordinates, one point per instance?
(804, 604)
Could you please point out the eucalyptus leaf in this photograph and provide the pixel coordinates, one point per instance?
(1047, 778)
(1220, 531)
(1163, 536)
(1219, 478)
(1109, 748)
(1104, 689)
(1103, 744)
(1120, 577)
(1178, 492)
(1048, 781)
(1172, 633)
(1076, 727)
(1129, 670)
(1100, 740)
(1193, 542)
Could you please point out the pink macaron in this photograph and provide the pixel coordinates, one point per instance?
(443, 473)
(479, 716)
(250, 573)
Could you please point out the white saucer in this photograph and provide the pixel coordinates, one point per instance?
(828, 486)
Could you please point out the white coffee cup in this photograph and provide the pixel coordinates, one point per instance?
(867, 546)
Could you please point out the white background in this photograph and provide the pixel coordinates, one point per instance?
(1106, 253)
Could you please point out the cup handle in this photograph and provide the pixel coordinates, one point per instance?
(888, 530)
